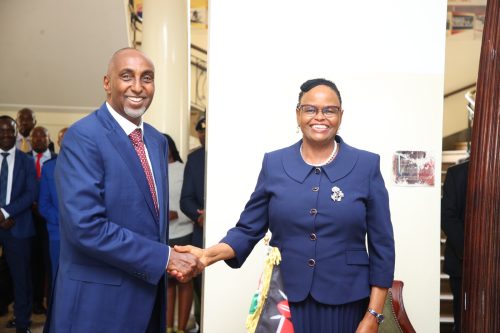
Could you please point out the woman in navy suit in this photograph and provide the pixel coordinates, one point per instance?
(321, 199)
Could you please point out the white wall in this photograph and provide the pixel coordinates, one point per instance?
(461, 67)
(387, 58)
(55, 53)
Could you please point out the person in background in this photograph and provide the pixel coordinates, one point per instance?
(452, 222)
(60, 136)
(193, 202)
(112, 185)
(48, 207)
(26, 121)
(180, 233)
(327, 208)
(40, 257)
(18, 191)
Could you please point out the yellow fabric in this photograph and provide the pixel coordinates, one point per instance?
(273, 258)
(24, 145)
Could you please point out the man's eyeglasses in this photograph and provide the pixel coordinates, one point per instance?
(328, 111)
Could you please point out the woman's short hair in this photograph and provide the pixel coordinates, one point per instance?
(309, 84)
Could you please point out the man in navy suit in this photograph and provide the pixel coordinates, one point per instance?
(193, 201)
(41, 153)
(111, 179)
(18, 191)
(48, 206)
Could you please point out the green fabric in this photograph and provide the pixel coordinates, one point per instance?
(390, 324)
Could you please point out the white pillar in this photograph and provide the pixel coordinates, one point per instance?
(165, 39)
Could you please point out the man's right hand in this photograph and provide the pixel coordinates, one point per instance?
(201, 218)
(7, 224)
(184, 266)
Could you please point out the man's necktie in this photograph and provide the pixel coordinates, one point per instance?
(24, 145)
(38, 165)
(4, 176)
(136, 138)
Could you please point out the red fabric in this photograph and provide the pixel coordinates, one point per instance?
(38, 165)
(136, 138)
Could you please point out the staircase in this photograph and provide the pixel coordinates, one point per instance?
(450, 157)
(445, 298)
(460, 151)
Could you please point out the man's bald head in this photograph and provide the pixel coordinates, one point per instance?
(124, 52)
(129, 83)
(25, 120)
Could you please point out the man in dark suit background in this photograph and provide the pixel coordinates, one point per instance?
(193, 201)
(18, 191)
(452, 222)
(41, 153)
(111, 179)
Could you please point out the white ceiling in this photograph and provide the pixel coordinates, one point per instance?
(54, 53)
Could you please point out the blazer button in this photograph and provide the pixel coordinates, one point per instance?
(313, 211)
(317, 170)
(315, 189)
(313, 236)
(311, 262)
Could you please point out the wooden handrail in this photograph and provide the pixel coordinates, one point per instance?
(460, 90)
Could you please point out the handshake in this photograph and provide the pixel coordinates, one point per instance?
(186, 262)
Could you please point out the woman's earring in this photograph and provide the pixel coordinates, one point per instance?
(298, 129)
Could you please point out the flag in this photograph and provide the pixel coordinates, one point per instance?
(269, 311)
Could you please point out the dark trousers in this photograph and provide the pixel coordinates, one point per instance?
(40, 260)
(54, 249)
(18, 255)
(6, 293)
(456, 290)
(155, 324)
(197, 281)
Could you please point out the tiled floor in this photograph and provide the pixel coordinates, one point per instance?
(36, 326)
(39, 320)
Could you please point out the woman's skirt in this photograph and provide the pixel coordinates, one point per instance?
(310, 316)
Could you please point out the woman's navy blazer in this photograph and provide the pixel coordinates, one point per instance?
(332, 249)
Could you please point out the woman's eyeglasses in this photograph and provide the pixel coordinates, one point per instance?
(328, 111)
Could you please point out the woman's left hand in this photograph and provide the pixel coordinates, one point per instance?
(368, 324)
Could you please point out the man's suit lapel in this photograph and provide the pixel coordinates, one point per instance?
(125, 149)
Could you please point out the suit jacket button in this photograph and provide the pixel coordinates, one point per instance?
(313, 211)
(315, 189)
(317, 170)
(313, 236)
(311, 262)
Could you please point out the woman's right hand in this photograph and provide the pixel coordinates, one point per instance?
(209, 255)
(198, 252)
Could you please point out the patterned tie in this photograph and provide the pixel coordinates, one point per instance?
(136, 138)
(38, 165)
(4, 176)
(24, 145)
